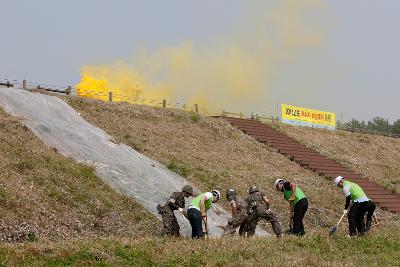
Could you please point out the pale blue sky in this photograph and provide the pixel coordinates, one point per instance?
(356, 73)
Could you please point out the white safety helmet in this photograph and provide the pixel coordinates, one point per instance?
(216, 193)
(278, 181)
(338, 179)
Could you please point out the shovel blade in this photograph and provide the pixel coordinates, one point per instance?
(333, 230)
(376, 224)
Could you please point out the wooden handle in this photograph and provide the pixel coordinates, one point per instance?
(341, 218)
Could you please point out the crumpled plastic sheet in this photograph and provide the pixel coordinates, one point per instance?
(59, 126)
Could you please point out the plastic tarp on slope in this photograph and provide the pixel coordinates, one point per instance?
(131, 173)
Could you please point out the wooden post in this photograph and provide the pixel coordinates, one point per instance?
(196, 108)
(164, 103)
(341, 118)
(277, 111)
(69, 90)
(24, 84)
(110, 96)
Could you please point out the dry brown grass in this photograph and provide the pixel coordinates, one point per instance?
(209, 152)
(44, 195)
(376, 157)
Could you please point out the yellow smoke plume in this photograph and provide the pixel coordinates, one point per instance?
(234, 74)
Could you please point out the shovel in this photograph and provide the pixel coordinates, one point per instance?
(334, 228)
(376, 222)
(206, 227)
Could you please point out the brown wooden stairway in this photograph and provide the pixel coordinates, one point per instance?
(314, 161)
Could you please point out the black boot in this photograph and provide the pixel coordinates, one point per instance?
(290, 230)
(368, 226)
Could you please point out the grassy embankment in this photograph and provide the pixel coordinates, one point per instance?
(75, 219)
(44, 195)
(209, 152)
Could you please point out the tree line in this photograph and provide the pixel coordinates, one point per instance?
(376, 124)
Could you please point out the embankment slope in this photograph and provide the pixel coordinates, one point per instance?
(209, 153)
(44, 195)
(39, 187)
(121, 167)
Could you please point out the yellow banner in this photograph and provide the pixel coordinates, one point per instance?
(308, 117)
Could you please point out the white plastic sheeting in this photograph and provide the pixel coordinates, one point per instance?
(131, 173)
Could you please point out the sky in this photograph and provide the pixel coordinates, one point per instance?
(350, 66)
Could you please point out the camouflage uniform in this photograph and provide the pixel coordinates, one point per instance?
(251, 224)
(259, 210)
(170, 223)
(239, 219)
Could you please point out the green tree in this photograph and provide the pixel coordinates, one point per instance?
(396, 127)
(354, 123)
(379, 124)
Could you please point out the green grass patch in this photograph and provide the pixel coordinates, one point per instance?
(180, 168)
(3, 194)
(86, 172)
(195, 117)
(133, 256)
(24, 166)
(79, 258)
(318, 250)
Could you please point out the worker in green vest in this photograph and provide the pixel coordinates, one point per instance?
(298, 204)
(197, 212)
(361, 205)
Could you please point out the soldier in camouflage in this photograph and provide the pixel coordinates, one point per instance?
(258, 205)
(240, 217)
(175, 202)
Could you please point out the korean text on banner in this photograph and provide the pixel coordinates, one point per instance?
(308, 117)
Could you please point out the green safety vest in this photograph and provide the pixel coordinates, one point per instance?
(299, 195)
(196, 202)
(355, 190)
